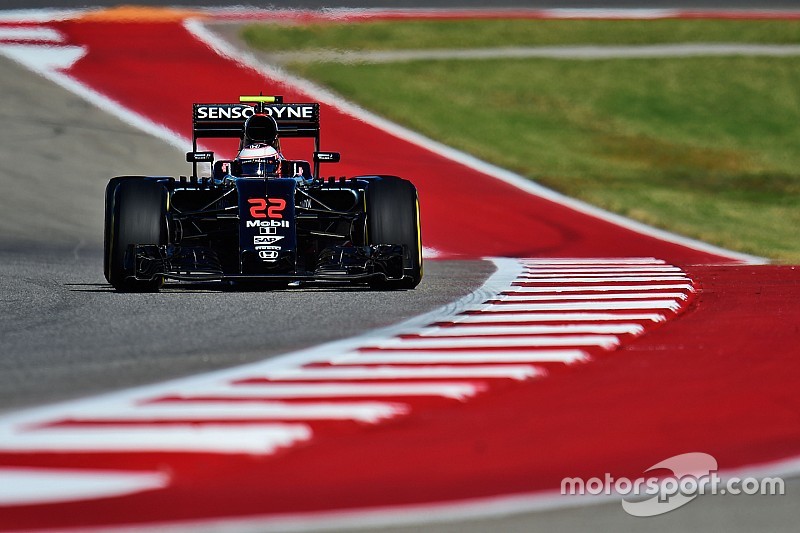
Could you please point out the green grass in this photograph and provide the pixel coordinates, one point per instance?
(706, 147)
(493, 33)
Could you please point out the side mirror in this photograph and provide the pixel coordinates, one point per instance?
(199, 157)
(327, 157)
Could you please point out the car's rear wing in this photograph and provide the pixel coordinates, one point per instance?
(227, 120)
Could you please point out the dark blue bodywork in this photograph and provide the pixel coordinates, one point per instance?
(267, 225)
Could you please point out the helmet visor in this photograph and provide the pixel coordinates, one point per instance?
(259, 167)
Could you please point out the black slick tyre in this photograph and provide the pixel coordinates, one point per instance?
(135, 214)
(392, 209)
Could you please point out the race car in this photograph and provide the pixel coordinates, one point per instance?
(270, 226)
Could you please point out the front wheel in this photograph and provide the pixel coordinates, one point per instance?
(392, 209)
(136, 213)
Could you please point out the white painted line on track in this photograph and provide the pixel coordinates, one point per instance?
(600, 276)
(222, 438)
(528, 341)
(446, 389)
(672, 305)
(494, 315)
(477, 356)
(466, 331)
(600, 279)
(595, 288)
(29, 486)
(38, 15)
(371, 412)
(43, 59)
(619, 261)
(602, 296)
(516, 372)
(30, 33)
(601, 270)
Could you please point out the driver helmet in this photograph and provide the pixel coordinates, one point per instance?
(258, 161)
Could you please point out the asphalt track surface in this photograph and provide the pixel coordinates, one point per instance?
(54, 252)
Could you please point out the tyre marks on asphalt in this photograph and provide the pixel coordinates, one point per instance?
(533, 317)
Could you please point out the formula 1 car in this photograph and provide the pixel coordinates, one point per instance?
(272, 229)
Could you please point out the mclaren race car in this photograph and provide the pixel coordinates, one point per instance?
(260, 217)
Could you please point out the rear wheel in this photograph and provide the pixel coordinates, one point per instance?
(392, 209)
(136, 213)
